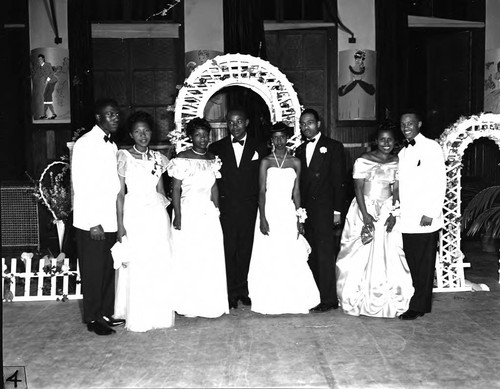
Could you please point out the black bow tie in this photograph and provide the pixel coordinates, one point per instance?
(107, 138)
(409, 142)
(241, 142)
(312, 140)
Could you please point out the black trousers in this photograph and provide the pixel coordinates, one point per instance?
(324, 249)
(420, 251)
(97, 274)
(238, 243)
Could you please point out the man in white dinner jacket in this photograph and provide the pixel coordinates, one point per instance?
(96, 186)
(422, 187)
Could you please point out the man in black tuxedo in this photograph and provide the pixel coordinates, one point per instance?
(238, 190)
(322, 195)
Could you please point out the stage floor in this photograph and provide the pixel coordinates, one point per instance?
(456, 346)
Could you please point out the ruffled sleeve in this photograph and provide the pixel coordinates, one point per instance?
(361, 169)
(122, 162)
(178, 168)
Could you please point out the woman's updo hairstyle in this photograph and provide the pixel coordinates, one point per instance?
(140, 116)
(197, 123)
(281, 127)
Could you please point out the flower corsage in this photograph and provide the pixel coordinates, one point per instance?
(395, 210)
(322, 150)
(157, 166)
(216, 166)
(301, 215)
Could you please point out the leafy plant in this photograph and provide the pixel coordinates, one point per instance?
(483, 213)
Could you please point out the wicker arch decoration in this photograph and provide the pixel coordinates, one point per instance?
(454, 140)
(238, 70)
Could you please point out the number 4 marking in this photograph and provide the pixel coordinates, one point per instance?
(13, 378)
(16, 377)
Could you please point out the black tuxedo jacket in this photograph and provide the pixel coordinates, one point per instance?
(238, 186)
(322, 182)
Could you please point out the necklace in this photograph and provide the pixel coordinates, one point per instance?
(144, 155)
(197, 152)
(282, 162)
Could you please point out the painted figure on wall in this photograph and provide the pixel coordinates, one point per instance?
(50, 96)
(357, 85)
(492, 81)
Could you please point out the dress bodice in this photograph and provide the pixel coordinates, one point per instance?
(197, 176)
(141, 176)
(378, 177)
(279, 184)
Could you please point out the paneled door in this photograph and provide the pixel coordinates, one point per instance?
(305, 57)
(141, 74)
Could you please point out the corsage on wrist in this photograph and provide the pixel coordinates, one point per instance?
(301, 215)
(395, 210)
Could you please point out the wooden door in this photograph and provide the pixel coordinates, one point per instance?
(303, 56)
(141, 74)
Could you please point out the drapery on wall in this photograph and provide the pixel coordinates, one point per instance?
(244, 34)
(391, 26)
(80, 47)
(244, 28)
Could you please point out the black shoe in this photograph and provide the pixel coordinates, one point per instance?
(99, 328)
(53, 116)
(233, 302)
(113, 322)
(42, 117)
(324, 307)
(245, 300)
(410, 314)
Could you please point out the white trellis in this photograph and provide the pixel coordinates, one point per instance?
(454, 141)
(238, 70)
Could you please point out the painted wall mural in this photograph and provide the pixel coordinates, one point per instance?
(357, 85)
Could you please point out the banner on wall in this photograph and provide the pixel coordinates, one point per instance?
(357, 85)
(492, 81)
(49, 61)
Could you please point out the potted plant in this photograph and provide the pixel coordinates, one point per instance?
(482, 214)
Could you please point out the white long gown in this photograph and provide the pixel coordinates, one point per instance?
(198, 247)
(373, 279)
(144, 287)
(279, 279)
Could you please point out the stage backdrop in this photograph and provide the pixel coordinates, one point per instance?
(50, 92)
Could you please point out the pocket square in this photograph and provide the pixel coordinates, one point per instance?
(255, 156)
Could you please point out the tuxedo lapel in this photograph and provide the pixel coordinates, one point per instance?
(317, 157)
(229, 151)
(248, 152)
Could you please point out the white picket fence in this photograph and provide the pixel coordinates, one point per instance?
(12, 277)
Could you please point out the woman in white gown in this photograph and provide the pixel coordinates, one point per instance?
(144, 292)
(280, 280)
(373, 278)
(200, 269)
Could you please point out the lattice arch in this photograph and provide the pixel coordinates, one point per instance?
(238, 70)
(454, 141)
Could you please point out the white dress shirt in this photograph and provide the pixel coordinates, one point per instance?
(422, 185)
(95, 182)
(238, 149)
(310, 147)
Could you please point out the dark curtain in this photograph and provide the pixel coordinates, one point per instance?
(391, 26)
(244, 34)
(244, 28)
(80, 64)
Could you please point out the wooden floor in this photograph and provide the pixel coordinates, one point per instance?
(456, 346)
